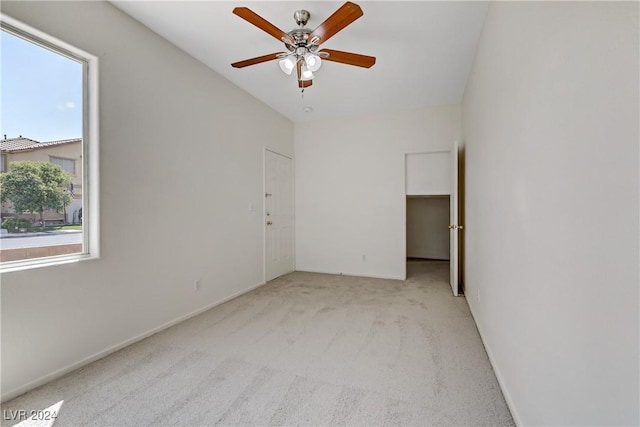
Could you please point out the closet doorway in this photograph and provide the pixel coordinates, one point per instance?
(431, 220)
(428, 242)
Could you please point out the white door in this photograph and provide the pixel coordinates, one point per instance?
(453, 221)
(278, 215)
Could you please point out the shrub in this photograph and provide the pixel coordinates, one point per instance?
(13, 225)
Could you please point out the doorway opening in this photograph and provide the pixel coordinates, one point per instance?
(433, 177)
(428, 240)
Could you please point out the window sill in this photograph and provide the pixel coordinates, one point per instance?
(28, 264)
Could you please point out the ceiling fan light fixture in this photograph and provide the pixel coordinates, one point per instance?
(313, 61)
(287, 64)
(305, 73)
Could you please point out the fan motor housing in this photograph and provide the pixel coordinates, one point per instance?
(300, 36)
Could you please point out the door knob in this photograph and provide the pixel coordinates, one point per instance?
(461, 227)
(451, 227)
(269, 223)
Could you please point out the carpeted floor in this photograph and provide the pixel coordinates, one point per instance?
(305, 349)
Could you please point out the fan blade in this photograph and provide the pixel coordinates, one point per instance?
(257, 20)
(342, 17)
(302, 83)
(257, 60)
(349, 58)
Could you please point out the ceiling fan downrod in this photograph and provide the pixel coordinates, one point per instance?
(300, 35)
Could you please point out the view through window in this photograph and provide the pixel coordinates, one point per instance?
(41, 144)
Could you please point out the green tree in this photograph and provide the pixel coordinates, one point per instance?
(35, 187)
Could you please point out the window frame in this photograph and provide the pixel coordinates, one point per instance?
(90, 145)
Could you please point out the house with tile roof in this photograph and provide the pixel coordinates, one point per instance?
(66, 153)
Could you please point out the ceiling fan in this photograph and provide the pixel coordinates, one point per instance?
(303, 43)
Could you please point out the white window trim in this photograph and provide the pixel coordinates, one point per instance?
(90, 147)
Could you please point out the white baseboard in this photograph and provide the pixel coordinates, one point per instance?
(496, 370)
(349, 273)
(72, 367)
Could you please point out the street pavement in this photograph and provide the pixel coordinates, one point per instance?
(62, 238)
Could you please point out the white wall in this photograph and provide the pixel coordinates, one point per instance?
(179, 169)
(550, 119)
(427, 227)
(350, 197)
(428, 173)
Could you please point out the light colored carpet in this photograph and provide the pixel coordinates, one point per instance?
(305, 349)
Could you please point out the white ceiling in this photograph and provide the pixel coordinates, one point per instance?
(424, 51)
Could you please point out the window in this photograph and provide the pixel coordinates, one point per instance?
(67, 165)
(49, 149)
(3, 162)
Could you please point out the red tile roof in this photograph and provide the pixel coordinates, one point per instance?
(22, 144)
